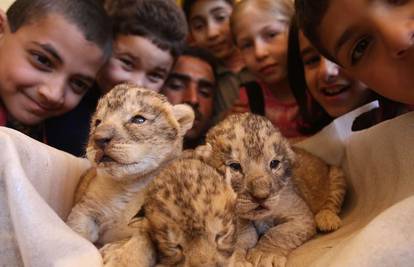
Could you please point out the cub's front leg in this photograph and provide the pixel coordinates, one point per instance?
(84, 223)
(275, 245)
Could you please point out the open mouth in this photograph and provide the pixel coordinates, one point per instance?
(334, 90)
(106, 158)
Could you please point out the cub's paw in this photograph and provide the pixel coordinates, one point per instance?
(327, 221)
(113, 253)
(266, 259)
(239, 259)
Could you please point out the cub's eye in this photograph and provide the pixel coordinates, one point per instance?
(138, 119)
(97, 122)
(274, 164)
(235, 166)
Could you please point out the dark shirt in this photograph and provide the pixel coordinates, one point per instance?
(70, 131)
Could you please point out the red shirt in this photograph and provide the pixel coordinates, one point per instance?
(284, 116)
(3, 115)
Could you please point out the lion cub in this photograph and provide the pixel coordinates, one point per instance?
(274, 219)
(189, 217)
(134, 132)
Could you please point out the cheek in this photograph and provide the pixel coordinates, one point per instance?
(206, 107)
(199, 38)
(111, 74)
(311, 79)
(71, 101)
(174, 97)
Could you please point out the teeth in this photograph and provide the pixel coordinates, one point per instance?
(334, 90)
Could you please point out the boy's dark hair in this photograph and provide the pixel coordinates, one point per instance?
(89, 17)
(309, 14)
(161, 21)
(188, 4)
(313, 115)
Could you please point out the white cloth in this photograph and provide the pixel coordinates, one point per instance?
(37, 184)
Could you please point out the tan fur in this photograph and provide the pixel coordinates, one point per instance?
(274, 219)
(191, 214)
(134, 133)
(189, 220)
(322, 186)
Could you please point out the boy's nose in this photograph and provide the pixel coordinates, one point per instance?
(212, 30)
(52, 95)
(397, 36)
(328, 70)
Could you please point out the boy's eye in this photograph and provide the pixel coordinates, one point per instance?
(79, 86)
(127, 63)
(41, 60)
(155, 77)
(359, 50)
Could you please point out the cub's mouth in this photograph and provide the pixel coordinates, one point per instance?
(102, 157)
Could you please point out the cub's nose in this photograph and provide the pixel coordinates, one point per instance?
(260, 189)
(102, 142)
(103, 136)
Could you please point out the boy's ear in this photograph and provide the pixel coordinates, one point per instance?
(4, 24)
(184, 114)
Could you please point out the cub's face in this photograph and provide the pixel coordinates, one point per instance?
(257, 158)
(134, 130)
(191, 213)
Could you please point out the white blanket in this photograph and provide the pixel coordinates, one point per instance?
(37, 183)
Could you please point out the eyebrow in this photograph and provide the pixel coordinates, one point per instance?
(51, 50)
(216, 9)
(307, 50)
(345, 37)
(184, 77)
(175, 75)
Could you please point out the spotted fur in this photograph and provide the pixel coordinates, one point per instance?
(191, 215)
(134, 133)
(189, 220)
(274, 219)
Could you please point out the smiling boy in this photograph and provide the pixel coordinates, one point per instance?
(39, 77)
(375, 44)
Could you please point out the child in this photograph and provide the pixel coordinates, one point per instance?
(208, 22)
(38, 77)
(375, 44)
(324, 91)
(148, 35)
(260, 30)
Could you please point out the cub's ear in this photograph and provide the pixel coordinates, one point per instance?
(203, 152)
(184, 114)
(291, 156)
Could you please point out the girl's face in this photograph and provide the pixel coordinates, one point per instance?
(329, 85)
(263, 41)
(209, 27)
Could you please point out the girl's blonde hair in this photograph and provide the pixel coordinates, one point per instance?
(282, 10)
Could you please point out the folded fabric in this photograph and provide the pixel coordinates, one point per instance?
(37, 184)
